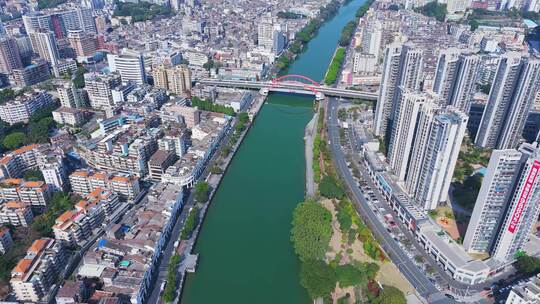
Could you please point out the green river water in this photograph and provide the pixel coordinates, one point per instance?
(245, 253)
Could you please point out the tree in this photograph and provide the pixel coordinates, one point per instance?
(243, 117)
(348, 275)
(330, 189)
(390, 295)
(6, 94)
(311, 231)
(528, 264)
(318, 278)
(190, 224)
(201, 192)
(344, 219)
(215, 170)
(371, 270)
(13, 140)
(34, 175)
(433, 9)
(474, 24)
(209, 64)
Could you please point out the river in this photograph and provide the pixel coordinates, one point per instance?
(245, 251)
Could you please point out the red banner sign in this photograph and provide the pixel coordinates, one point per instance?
(524, 197)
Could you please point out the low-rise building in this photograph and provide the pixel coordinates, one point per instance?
(71, 292)
(206, 138)
(38, 271)
(126, 260)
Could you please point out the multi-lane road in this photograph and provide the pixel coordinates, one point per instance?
(405, 265)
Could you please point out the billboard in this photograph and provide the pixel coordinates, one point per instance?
(524, 196)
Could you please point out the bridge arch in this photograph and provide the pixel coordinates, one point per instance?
(301, 80)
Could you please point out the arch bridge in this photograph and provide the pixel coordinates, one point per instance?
(294, 83)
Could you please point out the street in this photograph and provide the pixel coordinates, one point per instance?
(416, 277)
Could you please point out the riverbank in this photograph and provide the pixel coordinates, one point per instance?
(311, 130)
(185, 248)
(306, 34)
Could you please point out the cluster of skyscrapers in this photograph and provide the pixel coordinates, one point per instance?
(423, 126)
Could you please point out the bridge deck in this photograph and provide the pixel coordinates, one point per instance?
(292, 87)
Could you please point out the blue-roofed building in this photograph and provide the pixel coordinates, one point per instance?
(530, 24)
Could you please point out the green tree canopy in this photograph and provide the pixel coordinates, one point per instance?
(14, 140)
(348, 275)
(318, 278)
(243, 117)
(329, 188)
(433, 9)
(311, 231)
(201, 192)
(390, 295)
(344, 218)
(34, 175)
(528, 264)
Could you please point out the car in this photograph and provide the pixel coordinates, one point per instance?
(162, 287)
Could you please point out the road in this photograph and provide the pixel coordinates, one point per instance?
(311, 129)
(413, 274)
(169, 250)
(290, 85)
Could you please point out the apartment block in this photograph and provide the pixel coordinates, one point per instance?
(432, 164)
(517, 81)
(84, 182)
(99, 88)
(402, 67)
(16, 213)
(38, 271)
(5, 240)
(176, 79)
(159, 162)
(410, 107)
(525, 293)
(77, 226)
(22, 107)
(18, 161)
(10, 58)
(37, 194)
(507, 205)
(124, 151)
(189, 115)
(35, 73)
(69, 116)
(455, 78)
(71, 97)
